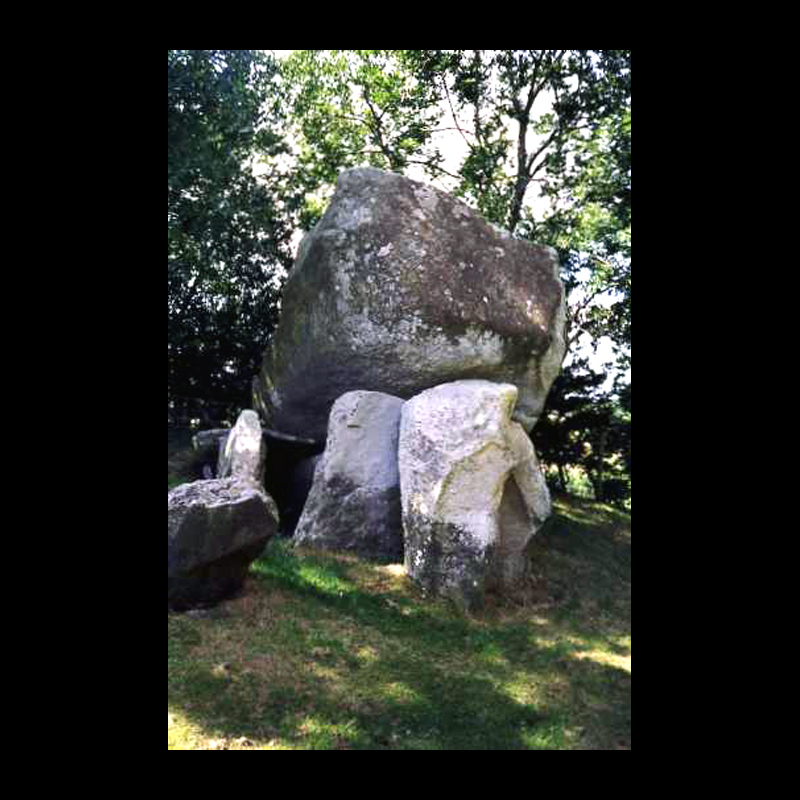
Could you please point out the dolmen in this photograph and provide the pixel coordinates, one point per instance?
(417, 343)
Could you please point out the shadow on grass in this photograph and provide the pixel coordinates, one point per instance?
(584, 557)
(434, 679)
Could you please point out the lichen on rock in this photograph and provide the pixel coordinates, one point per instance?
(472, 492)
(401, 287)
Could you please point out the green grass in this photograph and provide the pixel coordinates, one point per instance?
(327, 652)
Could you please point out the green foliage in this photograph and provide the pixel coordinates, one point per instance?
(587, 428)
(227, 234)
(591, 228)
(522, 115)
(353, 108)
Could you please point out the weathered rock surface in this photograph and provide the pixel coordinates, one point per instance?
(354, 502)
(472, 492)
(399, 288)
(216, 528)
(243, 452)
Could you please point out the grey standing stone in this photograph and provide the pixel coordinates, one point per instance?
(354, 502)
(243, 452)
(472, 491)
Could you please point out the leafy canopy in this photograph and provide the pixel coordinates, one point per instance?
(228, 237)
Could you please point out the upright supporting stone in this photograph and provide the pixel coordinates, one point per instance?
(354, 503)
(472, 492)
(244, 451)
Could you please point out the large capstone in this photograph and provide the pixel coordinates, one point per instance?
(216, 529)
(401, 287)
(472, 491)
(354, 503)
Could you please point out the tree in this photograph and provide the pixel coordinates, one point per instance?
(591, 227)
(228, 236)
(521, 113)
(588, 428)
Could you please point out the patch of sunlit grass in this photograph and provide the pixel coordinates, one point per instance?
(324, 651)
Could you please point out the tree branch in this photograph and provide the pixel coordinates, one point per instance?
(547, 142)
(453, 114)
(378, 128)
(576, 315)
(433, 165)
(523, 179)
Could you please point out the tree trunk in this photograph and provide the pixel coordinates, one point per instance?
(597, 476)
(562, 478)
(523, 177)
